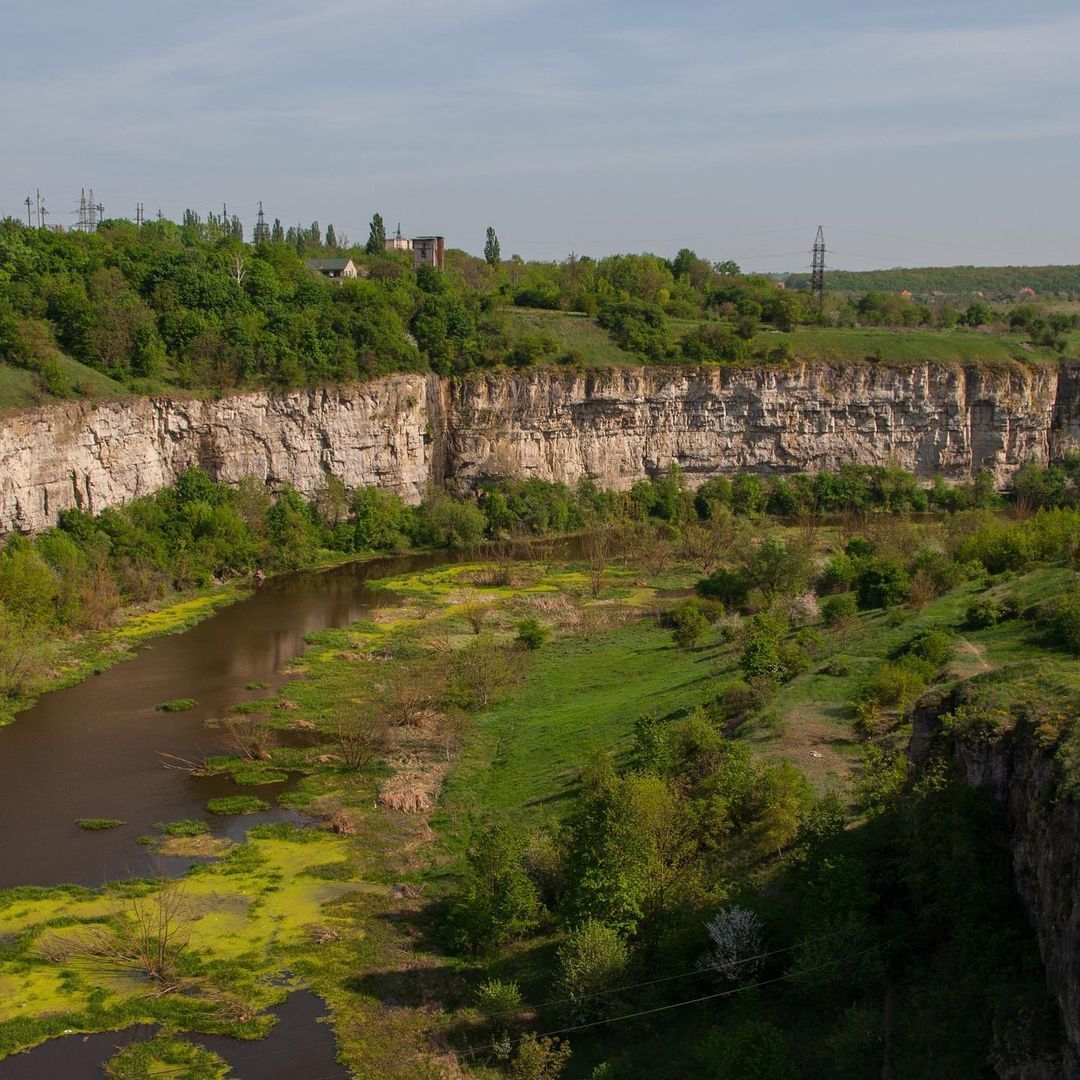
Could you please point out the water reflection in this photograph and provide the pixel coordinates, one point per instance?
(95, 750)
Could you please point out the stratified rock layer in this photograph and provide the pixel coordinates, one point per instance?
(405, 431)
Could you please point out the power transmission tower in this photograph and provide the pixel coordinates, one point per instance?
(139, 216)
(91, 213)
(28, 202)
(262, 230)
(817, 272)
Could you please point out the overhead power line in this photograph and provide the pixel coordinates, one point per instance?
(487, 1048)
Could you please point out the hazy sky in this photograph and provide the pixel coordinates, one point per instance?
(916, 133)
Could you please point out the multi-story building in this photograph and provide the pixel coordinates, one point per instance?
(428, 251)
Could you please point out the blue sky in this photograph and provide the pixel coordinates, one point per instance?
(915, 133)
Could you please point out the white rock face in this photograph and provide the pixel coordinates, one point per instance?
(619, 426)
(95, 456)
(406, 431)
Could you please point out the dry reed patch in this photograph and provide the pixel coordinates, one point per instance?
(204, 846)
(556, 607)
(415, 785)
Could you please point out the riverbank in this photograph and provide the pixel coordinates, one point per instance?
(343, 910)
(476, 693)
(75, 657)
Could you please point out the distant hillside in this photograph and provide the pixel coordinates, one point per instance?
(994, 281)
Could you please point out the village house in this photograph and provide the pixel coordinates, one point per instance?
(333, 268)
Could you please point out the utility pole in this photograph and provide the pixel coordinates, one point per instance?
(817, 272)
(28, 201)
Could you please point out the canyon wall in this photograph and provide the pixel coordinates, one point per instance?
(617, 426)
(1018, 770)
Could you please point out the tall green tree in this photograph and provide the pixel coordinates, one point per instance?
(331, 236)
(491, 248)
(376, 243)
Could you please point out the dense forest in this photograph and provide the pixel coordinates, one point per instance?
(193, 306)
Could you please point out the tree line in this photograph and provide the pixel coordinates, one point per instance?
(192, 305)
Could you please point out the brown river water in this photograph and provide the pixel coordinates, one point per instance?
(95, 750)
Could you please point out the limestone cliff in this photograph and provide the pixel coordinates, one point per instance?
(94, 456)
(1018, 770)
(616, 427)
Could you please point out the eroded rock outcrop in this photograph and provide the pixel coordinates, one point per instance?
(618, 426)
(95, 456)
(1018, 770)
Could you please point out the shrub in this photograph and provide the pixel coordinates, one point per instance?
(531, 634)
(592, 962)
(760, 659)
(809, 639)
(998, 545)
(982, 613)
(499, 901)
(1009, 609)
(652, 745)
(838, 574)
(755, 1050)
(540, 1058)
(735, 936)
(899, 683)
(793, 658)
(867, 719)
(497, 998)
(976, 720)
(934, 646)
(880, 583)
(838, 666)
(1065, 620)
(858, 547)
(948, 574)
(690, 626)
(802, 610)
(729, 586)
(738, 698)
(839, 609)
